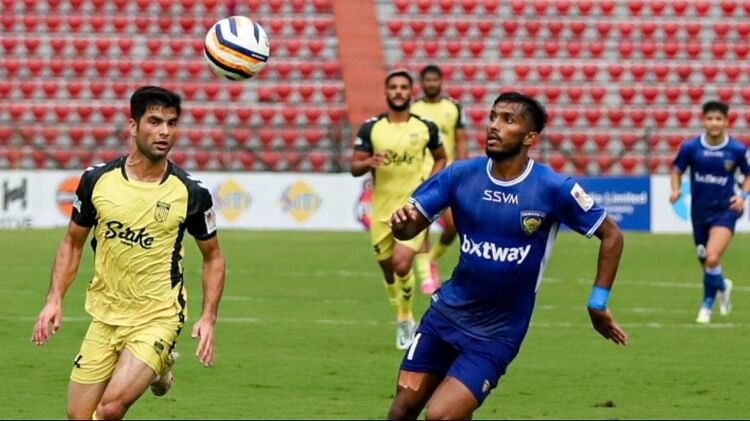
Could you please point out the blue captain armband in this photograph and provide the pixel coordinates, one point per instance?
(598, 298)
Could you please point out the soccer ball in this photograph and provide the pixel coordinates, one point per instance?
(236, 48)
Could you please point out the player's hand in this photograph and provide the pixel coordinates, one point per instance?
(51, 313)
(675, 196)
(203, 329)
(377, 160)
(402, 216)
(605, 324)
(737, 204)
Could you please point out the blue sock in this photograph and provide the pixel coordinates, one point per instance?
(712, 281)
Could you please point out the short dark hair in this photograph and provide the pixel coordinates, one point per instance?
(150, 96)
(531, 108)
(430, 68)
(716, 106)
(398, 72)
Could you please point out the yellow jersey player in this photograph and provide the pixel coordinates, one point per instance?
(139, 207)
(393, 147)
(448, 116)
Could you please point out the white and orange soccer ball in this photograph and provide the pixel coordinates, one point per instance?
(236, 48)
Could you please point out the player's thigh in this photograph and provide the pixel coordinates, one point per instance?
(404, 251)
(97, 357)
(153, 343)
(413, 390)
(452, 400)
(718, 240)
(83, 399)
(382, 240)
(129, 380)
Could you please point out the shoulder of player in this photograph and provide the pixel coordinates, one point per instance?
(545, 173)
(192, 184)
(429, 123)
(738, 144)
(94, 172)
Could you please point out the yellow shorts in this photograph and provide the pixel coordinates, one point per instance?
(383, 241)
(101, 348)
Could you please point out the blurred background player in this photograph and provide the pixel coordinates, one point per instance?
(448, 116)
(713, 158)
(392, 147)
(139, 207)
(507, 208)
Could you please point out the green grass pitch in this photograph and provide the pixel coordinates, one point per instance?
(305, 331)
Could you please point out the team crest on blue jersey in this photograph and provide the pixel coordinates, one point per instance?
(531, 220)
(162, 211)
(729, 165)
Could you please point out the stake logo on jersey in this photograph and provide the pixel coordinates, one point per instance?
(394, 158)
(129, 236)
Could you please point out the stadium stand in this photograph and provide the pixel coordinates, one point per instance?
(68, 68)
(619, 78)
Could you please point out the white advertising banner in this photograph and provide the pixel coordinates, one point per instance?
(42, 199)
(675, 218)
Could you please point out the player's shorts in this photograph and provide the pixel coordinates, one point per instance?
(439, 347)
(383, 241)
(701, 227)
(101, 348)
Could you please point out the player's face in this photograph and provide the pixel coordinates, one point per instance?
(715, 123)
(432, 84)
(398, 93)
(508, 131)
(155, 132)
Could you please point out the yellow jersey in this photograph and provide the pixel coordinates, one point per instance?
(138, 230)
(405, 146)
(448, 116)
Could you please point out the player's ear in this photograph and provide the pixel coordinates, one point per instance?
(132, 127)
(530, 139)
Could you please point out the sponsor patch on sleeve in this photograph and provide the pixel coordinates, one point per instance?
(210, 218)
(77, 204)
(358, 141)
(582, 198)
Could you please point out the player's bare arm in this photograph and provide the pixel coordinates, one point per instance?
(364, 162)
(438, 155)
(407, 222)
(610, 251)
(737, 202)
(675, 180)
(462, 144)
(64, 270)
(213, 286)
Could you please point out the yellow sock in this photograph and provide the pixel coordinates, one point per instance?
(422, 264)
(394, 295)
(438, 250)
(406, 285)
(93, 416)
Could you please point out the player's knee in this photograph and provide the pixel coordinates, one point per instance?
(712, 260)
(401, 267)
(78, 414)
(438, 412)
(400, 411)
(112, 410)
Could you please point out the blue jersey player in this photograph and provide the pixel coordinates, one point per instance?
(507, 209)
(713, 159)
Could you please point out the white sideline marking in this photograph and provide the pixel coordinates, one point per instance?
(554, 325)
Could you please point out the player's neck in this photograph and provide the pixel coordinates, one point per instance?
(139, 168)
(432, 99)
(715, 140)
(398, 116)
(509, 168)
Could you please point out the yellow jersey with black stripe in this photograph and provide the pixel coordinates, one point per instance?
(405, 146)
(138, 229)
(448, 116)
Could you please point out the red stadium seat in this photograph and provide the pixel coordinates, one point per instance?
(552, 92)
(672, 93)
(695, 93)
(732, 72)
(557, 162)
(615, 116)
(627, 93)
(684, 117)
(628, 164)
(649, 94)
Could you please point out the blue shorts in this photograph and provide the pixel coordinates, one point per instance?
(439, 347)
(701, 227)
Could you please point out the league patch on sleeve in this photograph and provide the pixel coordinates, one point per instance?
(582, 198)
(77, 204)
(358, 141)
(210, 218)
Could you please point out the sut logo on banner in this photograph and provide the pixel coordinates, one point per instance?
(300, 201)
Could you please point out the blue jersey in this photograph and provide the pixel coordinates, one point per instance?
(507, 230)
(712, 173)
